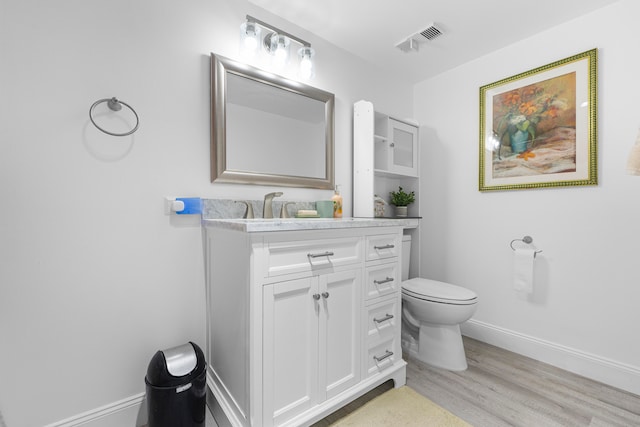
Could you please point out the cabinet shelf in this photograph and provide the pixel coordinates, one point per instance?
(382, 172)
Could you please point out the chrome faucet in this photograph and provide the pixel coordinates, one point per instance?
(267, 210)
(284, 213)
(248, 213)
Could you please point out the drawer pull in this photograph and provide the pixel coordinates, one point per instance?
(384, 319)
(316, 297)
(384, 247)
(320, 255)
(325, 295)
(386, 355)
(382, 282)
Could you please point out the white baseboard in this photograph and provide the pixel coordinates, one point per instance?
(607, 371)
(124, 412)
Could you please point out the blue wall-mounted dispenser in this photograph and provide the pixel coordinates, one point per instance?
(183, 205)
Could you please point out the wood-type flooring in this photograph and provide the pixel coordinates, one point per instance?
(501, 389)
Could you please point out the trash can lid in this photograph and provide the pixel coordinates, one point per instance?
(181, 359)
(175, 366)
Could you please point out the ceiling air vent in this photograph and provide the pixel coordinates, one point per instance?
(412, 43)
(431, 32)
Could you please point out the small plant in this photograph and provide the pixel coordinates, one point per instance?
(402, 198)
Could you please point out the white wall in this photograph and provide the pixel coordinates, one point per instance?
(94, 278)
(583, 315)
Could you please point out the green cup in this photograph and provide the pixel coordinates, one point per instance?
(325, 208)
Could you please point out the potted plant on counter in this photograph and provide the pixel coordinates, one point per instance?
(401, 199)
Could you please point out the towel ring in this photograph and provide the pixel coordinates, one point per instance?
(526, 239)
(115, 105)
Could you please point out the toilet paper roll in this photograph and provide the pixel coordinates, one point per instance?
(523, 269)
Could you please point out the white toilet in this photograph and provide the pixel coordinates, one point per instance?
(432, 312)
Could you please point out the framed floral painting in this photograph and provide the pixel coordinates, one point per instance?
(538, 128)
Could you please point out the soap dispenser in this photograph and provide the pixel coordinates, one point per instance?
(337, 203)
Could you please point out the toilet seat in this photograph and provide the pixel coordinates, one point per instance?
(435, 291)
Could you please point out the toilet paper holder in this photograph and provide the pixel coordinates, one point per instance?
(526, 239)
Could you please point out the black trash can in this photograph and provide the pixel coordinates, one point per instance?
(176, 387)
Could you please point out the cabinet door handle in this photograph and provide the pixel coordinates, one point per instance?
(384, 247)
(320, 255)
(325, 295)
(316, 297)
(381, 282)
(384, 319)
(386, 355)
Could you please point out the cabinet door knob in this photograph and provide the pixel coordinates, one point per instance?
(325, 295)
(316, 297)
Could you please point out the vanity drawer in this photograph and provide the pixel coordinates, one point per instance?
(382, 279)
(382, 321)
(310, 255)
(381, 356)
(382, 246)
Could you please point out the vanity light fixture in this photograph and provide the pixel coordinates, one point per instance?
(276, 43)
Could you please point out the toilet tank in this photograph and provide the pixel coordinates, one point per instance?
(406, 256)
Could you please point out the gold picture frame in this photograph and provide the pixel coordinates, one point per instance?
(538, 128)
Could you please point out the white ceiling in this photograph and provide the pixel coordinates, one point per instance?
(371, 29)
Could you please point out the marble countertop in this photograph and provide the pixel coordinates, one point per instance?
(290, 224)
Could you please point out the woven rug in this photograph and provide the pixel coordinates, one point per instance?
(400, 407)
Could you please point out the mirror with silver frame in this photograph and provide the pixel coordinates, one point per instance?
(269, 130)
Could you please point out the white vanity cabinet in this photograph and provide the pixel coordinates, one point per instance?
(381, 314)
(311, 336)
(300, 322)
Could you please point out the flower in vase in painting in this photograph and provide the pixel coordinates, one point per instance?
(523, 111)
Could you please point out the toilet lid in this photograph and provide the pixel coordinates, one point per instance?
(434, 290)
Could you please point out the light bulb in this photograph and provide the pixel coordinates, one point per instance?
(250, 43)
(307, 69)
(280, 50)
(249, 37)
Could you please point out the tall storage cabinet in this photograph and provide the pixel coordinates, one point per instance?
(386, 155)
